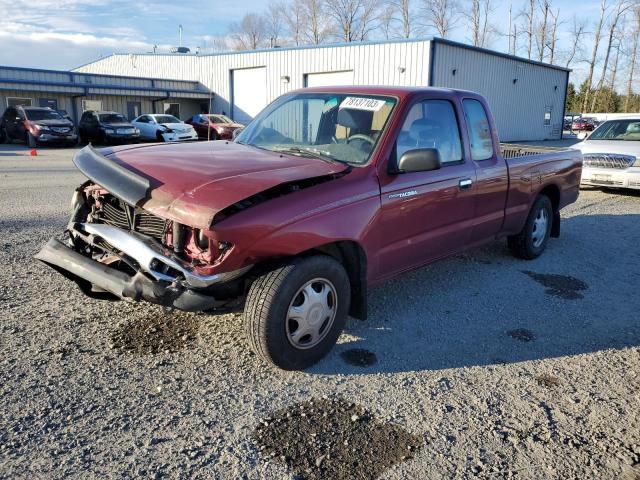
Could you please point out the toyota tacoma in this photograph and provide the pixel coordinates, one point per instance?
(326, 193)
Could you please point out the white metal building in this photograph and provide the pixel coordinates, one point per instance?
(527, 97)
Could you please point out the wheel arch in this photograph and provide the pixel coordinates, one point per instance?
(552, 192)
(353, 257)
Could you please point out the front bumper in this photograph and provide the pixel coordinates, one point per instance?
(179, 136)
(160, 277)
(57, 138)
(611, 177)
(95, 278)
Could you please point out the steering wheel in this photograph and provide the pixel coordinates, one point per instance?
(362, 137)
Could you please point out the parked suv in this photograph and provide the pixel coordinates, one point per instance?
(34, 125)
(106, 127)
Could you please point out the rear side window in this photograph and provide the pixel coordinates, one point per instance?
(479, 130)
(431, 124)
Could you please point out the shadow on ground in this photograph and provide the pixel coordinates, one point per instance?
(486, 307)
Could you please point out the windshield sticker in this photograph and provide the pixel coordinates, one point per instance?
(359, 103)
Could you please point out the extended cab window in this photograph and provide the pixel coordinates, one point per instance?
(431, 124)
(479, 131)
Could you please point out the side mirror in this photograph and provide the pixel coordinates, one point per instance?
(419, 160)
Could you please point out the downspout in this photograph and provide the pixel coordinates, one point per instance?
(432, 58)
(564, 107)
(153, 101)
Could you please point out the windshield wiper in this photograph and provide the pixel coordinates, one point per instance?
(309, 152)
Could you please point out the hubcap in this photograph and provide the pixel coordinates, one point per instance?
(311, 313)
(540, 228)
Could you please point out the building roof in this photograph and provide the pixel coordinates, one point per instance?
(77, 83)
(347, 44)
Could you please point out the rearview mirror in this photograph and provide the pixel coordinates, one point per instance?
(419, 160)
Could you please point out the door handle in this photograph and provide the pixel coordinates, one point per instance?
(465, 184)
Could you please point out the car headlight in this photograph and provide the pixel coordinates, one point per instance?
(166, 129)
(108, 130)
(42, 128)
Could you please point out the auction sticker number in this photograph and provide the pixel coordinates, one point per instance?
(359, 103)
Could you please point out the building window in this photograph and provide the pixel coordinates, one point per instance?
(91, 105)
(172, 109)
(15, 101)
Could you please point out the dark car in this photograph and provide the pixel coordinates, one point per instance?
(214, 126)
(106, 127)
(36, 125)
(296, 223)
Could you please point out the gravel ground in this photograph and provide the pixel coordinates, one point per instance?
(492, 367)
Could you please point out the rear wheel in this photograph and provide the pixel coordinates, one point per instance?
(533, 238)
(3, 136)
(295, 313)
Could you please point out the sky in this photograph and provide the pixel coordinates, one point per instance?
(63, 34)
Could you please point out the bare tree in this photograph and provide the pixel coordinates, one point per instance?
(577, 32)
(621, 9)
(529, 16)
(541, 30)
(553, 37)
(387, 19)
(353, 19)
(294, 18)
(633, 54)
(274, 22)
(406, 16)
(316, 28)
(478, 22)
(597, 37)
(249, 34)
(441, 15)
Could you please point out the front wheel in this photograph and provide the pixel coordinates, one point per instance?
(3, 136)
(295, 313)
(533, 238)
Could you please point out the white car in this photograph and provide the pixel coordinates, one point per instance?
(611, 155)
(164, 128)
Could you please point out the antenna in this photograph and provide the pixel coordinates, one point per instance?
(180, 34)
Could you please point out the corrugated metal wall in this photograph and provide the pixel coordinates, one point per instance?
(64, 101)
(519, 108)
(392, 63)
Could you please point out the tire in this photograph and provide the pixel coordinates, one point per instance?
(532, 240)
(274, 335)
(159, 137)
(213, 136)
(3, 136)
(31, 141)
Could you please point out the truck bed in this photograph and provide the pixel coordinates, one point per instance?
(512, 150)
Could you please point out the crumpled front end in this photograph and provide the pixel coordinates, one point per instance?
(115, 249)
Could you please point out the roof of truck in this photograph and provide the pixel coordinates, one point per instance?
(384, 90)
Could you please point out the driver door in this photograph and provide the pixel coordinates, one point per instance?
(427, 215)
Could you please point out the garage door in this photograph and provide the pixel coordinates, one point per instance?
(249, 90)
(329, 79)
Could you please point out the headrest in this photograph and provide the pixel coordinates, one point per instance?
(422, 127)
(633, 128)
(359, 119)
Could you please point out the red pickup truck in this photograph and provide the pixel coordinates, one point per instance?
(327, 192)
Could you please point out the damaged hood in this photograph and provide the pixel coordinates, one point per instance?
(191, 183)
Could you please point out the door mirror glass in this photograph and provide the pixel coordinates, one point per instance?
(419, 160)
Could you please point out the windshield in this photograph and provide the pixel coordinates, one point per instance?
(166, 119)
(628, 130)
(333, 126)
(112, 118)
(42, 115)
(219, 119)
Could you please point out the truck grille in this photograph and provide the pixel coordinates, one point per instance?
(608, 160)
(119, 214)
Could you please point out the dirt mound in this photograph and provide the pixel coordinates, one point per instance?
(332, 438)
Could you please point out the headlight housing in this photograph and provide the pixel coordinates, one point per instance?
(41, 128)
